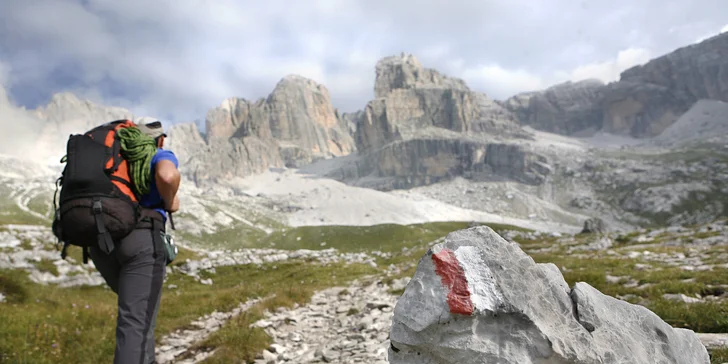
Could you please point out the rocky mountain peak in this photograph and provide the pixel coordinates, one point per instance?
(406, 72)
(295, 80)
(646, 100)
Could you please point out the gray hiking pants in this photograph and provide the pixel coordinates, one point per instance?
(136, 276)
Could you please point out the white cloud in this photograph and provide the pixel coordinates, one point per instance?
(182, 57)
(724, 29)
(610, 69)
(4, 73)
(500, 82)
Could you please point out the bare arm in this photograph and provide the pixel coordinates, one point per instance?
(168, 178)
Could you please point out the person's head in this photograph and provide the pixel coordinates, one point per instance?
(152, 127)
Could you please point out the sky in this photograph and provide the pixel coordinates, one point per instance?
(177, 59)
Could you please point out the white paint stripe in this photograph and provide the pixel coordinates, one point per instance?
(481, 282)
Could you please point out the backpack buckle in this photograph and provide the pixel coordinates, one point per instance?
(97, 206)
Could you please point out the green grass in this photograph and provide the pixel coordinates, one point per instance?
(48, 324)
(41, 325)
(291, 283)
(235, 237)
(719, 356)
(701, 317)
(47, 266)
(11, 213)
(384, 237)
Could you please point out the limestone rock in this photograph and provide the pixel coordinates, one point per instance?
(301, 113)
(424, 161)
(406, 72)
(643, 103)
(410, 97)
(567, 108)
(594, 225)
(425, 127)
(650, 97)
(705, 122)
(477, 297)
(294, 125)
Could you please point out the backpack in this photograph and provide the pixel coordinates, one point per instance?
(97, 202)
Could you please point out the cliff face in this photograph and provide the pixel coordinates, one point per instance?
(295, 125)
(568, 108)
(410, 98)
(643, 103)
(297, 118)
(425, 127)
(650, 97)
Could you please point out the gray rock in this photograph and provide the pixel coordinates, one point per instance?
(645, 101)
(476, 294)
(704, 122)
(424, 127)
(425, 161)
(567, 108)
(405, 72)
(295, 125)
(594, 225)
(650, 97)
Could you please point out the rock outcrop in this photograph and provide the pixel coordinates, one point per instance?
(705, 122)
(650, 97)
(424, 161)
(295, 125)
(406, 72)
(297, 116)
(478, 298)
(644, 102)
(424, 127)
(568, 108)
(594, 225)
(411, 98)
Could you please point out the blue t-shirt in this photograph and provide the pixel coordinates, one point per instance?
(153, 198)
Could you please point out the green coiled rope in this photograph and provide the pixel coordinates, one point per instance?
(138, 149)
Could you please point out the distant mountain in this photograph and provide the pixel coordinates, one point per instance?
(644, 102)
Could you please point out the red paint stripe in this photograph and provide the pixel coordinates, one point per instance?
(452, 275)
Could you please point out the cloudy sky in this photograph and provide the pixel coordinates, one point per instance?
(176, 59)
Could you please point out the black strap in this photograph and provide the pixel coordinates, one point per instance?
(64, 252)
(119, 179)
(157, 229)
(106, 243)
(171, 220)
(85, 255)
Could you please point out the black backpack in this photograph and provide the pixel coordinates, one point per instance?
(97, 203)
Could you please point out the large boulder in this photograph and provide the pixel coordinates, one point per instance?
(478, 298)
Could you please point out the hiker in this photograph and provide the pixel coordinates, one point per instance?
(133, 263)
(132, 271)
